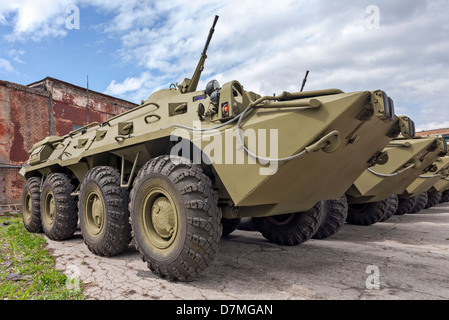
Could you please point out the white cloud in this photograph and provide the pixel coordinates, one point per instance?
(5, 65)
(128, 85)
(34, 20)
(268, 45)
(16, 55)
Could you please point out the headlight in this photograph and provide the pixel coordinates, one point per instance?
(391, 108)
(383, 105)
(407, 127)
(215, 97)
(211, 87)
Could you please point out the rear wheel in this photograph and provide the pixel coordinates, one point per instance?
(392, 206)
(336, 212)
(405, 206)
(433, 199)
(103, 209)
(293, 228)
(59, 213)
(31, 198)
(365, 214)
(175, 218)
(420, 202)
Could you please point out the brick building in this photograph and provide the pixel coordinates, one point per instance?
(30, 113)
(435, 133)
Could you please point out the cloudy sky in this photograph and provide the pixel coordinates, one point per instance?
(131, 48)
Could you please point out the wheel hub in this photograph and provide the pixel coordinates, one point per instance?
(94, 213)
(160, 219)
(27, 207)
(97, 212)
(52, 209)
(163, 217)
(49, 208)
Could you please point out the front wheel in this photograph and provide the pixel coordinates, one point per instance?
(293, 228)
(336, 212)
(366, 214)
(445, 197)
(392, 207)
(433, 199)
(405, 206)
(175, 219)
(420, 202)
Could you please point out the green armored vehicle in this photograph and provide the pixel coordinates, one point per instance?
(170, 172)
(374, 195)
(442, 186)
(426, 190)
(436, 192)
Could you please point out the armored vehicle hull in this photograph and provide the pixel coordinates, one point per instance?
(373, 196)
(408, 159)
(441, 185)
(426, 181)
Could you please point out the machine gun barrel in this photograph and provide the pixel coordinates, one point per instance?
(199, 68)
(209, 38)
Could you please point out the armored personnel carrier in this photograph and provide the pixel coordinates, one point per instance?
(171, 171)
(374, 195)
(442, 186)
(425, 190)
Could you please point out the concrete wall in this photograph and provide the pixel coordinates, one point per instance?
(28, 114)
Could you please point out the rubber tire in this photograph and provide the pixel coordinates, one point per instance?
(445, 197)
(366, 214)
(405, 206)
(420, 203)
(336, 212)
(115, 234)
(392, 207)
(291, 229)
(65, 222)
(433, 199)
(229, 226)
(32, 218)
(198, 226)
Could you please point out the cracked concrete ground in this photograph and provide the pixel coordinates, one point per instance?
(408, 255)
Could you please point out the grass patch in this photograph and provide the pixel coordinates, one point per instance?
(27, 268)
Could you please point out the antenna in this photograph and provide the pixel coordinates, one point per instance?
(87, 107)
(304, 81)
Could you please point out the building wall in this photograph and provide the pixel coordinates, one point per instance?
(435, 133)
(28, 114)
(69, 104)
(20, 127)
(432, 133)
